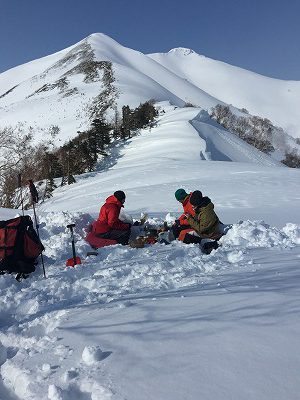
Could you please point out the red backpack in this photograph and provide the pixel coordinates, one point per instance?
(19, 246)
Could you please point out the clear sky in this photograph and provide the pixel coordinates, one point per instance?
(259, 35)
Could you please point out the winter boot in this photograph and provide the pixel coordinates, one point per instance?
(208, 247)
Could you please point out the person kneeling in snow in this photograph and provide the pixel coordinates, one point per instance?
(108, 224)
(181, 227)
(205, 222)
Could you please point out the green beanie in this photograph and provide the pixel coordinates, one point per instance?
(180, 194)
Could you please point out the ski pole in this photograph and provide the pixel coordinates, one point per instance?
(20, 192)
(35, 199)
(38, 233)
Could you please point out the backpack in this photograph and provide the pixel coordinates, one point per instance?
(19, 246)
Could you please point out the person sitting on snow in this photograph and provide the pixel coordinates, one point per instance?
(181, 227)
(205, 221)
(108, 224)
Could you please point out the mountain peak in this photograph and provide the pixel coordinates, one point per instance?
(182, 50)
(97, 38)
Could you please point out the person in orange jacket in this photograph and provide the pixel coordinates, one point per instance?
(181, 227)
(197, 223)
(108, 224)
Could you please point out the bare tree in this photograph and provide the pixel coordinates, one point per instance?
(14, 148)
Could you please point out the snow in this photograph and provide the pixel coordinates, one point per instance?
(270, 98)
(92, 355)
(163, 321)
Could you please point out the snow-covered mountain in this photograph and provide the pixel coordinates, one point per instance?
(59, 90)
(275, 99)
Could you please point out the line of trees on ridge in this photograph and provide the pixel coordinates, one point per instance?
(81, 154)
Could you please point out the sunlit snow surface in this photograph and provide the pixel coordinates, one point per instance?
(163, 322)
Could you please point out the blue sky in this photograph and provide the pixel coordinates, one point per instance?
(259, 35)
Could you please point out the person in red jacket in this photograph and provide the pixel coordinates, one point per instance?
(108, 224)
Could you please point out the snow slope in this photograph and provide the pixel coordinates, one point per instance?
(146, 165)
(275, 99)
(163, 322)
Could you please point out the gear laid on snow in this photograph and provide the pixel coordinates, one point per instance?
(75, 260)
(20, 246)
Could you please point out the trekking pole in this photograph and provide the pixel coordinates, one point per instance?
(20, 192)
(35, 199)
(71, 262)
(38, 233)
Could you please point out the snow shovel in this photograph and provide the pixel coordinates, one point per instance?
(71, 262)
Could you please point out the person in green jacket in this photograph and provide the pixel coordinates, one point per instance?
(205, 222)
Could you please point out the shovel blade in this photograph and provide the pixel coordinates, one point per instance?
(71, 262)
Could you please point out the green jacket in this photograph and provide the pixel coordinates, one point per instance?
(205, 222)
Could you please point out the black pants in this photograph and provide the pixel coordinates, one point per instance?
(188, 239)
(177, 228)
(121, 237)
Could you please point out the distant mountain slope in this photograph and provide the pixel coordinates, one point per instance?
(60, 88)
(270, 98)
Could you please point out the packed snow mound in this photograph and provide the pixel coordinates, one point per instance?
(253, 234)
(92, 355)
(56, 236)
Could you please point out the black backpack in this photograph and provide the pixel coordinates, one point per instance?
(19, 246)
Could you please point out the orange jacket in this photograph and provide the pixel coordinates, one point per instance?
(188, 208)
(109, 217)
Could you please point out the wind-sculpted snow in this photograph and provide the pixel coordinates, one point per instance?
(252, 234)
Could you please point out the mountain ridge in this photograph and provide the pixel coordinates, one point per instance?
(180, 76)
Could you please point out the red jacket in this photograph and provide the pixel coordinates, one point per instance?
(188, 208)
(109, 217)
